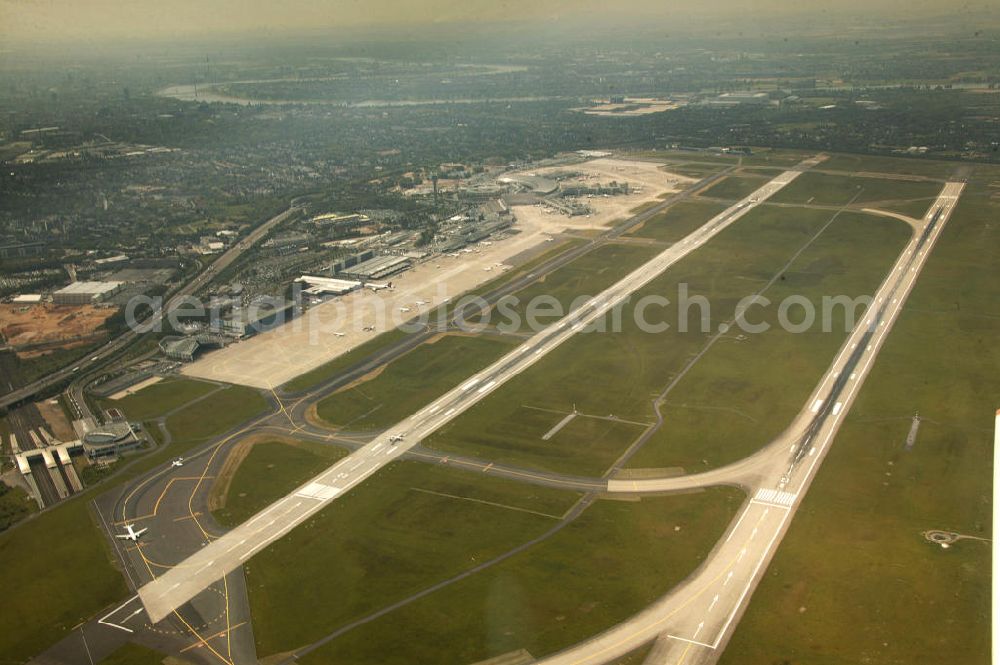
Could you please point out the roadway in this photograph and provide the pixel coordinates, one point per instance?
(693, 623)
(196, 573)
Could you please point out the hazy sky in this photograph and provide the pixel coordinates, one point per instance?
(58, 20)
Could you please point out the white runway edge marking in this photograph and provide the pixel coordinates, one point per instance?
(775, 497)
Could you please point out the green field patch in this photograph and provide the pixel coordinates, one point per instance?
(614, 560)
(736, 187)
(678, 220)
(829, 189)
(915, 209)
(160, 398)
(134, 654)
(15, 505)
(514, 433)
(269, 471)
(694, 170)
(403, 530)
(216, 414)
(902, 166)
(411, 382)
(56, 573)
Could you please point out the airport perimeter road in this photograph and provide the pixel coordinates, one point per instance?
(118, 343)
(184, 582)
(693, 623)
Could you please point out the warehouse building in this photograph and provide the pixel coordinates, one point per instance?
(85, 293)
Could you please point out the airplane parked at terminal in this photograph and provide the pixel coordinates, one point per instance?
(374, 286)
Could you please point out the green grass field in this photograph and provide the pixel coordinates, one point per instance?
(216, 414)
(160, 398)
(611, 562)
(53, 583)
(908, 601)
(408, 527)
(736, 187)
(15, 505)
(679, 220)
(269, 471)
(827, 189)
(743, 393)
(134, 654)
(694, 170)
(411, 382)
(871, 164)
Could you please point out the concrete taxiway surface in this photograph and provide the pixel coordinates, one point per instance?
(185, 581)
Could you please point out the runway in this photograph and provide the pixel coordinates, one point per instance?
(693, 623)
(185, 581)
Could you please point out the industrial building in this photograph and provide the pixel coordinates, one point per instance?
(377, 268)
(85, 293)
